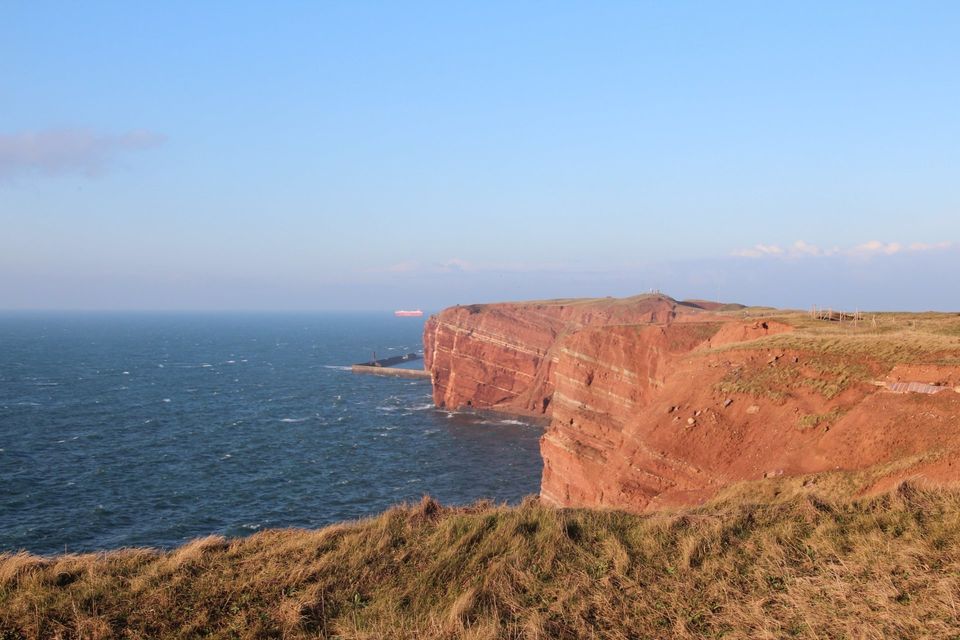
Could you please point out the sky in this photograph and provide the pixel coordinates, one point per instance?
(368, 155)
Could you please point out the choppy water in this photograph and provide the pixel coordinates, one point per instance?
(121, 430)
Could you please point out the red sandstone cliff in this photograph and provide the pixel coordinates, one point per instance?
(501, 355)
(654, 402)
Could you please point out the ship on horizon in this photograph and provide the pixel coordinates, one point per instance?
(416, 313)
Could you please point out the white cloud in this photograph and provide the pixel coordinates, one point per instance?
(456, 264)
(800, 249)
(876, 247)
(401, 267)
(462, 266)
(806, 249)
(760, 250)
(59, 151)
(452, 265)
(936, 246)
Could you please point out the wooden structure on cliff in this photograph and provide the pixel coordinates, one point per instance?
(819, 313)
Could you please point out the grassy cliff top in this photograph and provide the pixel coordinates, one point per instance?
(887, 338)
(800, 564)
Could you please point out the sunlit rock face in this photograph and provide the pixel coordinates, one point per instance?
(655, 403)
(501, 356)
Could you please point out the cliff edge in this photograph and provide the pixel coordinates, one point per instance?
(656, 402)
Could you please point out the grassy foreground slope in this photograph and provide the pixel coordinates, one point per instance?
(798, 564)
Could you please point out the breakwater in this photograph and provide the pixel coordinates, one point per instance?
(387, 367)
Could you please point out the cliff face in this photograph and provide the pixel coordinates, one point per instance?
(654, 402)
(605, 379)
(501, 356)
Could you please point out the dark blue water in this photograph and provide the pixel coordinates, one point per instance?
(121, 430)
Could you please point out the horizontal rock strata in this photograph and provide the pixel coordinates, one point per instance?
(653, 402)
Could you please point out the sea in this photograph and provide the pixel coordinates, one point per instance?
(137, 429)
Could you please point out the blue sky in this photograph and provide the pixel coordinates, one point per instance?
(379, 155)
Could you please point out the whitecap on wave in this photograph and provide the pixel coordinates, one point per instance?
(288, 420)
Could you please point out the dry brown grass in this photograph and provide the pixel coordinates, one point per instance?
(832, 357)
(827, 375)
(884, 338)
(801, 564)
(812, 420)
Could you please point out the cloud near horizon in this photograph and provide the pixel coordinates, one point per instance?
(415, 266)
(800, 249)
(72, 150)
(461, 266)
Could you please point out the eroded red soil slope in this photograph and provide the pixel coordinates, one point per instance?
(654, 402)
